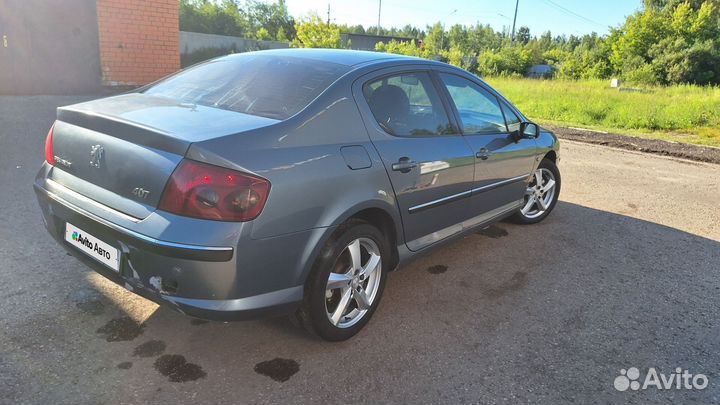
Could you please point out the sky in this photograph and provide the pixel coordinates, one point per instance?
(559, 16)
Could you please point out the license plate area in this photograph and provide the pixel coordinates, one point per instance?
(92, 246)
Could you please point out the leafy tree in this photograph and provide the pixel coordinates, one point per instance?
(458, 38)
(263, 34)
(270, 16)
(222, 18)
(523, 35)
(513, 60)
(315, 33)
(403, 48)
(281, 36)
(436, 40)
(666, 42)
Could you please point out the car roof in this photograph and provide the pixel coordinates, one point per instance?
(338, 56)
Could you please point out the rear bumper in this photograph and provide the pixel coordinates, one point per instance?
(200, 281)
(164, 248)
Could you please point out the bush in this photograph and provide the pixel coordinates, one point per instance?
(314, 33)
(403, 48)
(506, 61)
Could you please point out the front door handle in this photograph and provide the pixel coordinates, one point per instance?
(404, 165)
(483, 154)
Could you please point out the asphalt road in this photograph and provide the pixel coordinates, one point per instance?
(624, 273)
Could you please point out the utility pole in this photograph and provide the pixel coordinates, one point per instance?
(442, 33)
(328, 18)
(379, 10)
(517, 2)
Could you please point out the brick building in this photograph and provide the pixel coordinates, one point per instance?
(139, 40)
(79, 46)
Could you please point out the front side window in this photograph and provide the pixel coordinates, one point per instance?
(511, 119)
(407, 104)
(261, 85)
(478, 108)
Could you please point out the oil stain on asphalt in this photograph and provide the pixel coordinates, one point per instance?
(177, 369)
(121, 329)
(151, 348)
(125, 365)
(88, 301)
(278, 369)
(518, 281)
(493, 231)
(437, 269)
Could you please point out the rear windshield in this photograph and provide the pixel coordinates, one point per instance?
(267, 86)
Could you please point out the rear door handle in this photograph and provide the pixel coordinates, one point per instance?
(404, 165)
(483, 154)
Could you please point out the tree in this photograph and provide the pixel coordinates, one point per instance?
(666, 42)
(263, 34)
(513, 60)
(313, 32)
(669, 42)
(403, 48)
(523, 35)
(281, 36)
(435, 41)
(222, 18)
(458, 38)
(270, 16)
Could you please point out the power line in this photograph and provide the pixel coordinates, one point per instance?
(572, 13)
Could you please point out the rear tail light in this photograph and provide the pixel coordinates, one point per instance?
(200, 190)
(49, 153)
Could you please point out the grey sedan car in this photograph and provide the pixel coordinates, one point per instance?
(288, 181)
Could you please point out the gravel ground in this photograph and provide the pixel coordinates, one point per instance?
(624, 273)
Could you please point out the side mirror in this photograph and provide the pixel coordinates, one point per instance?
(527, 130)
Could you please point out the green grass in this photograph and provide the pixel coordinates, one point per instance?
(685, 113)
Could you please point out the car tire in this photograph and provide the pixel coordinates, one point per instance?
(350, 271)
(541, 195)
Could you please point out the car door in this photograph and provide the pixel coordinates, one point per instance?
(502, 163)
(430, 165)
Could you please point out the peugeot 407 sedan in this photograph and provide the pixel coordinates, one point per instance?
(288, 181)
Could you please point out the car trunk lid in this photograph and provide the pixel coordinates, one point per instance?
(120, 151)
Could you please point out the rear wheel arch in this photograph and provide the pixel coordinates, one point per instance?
(372, 214)
(382, 220)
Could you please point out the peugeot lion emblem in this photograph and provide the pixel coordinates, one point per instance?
(96, 156)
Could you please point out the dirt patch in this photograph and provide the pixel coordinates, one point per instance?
(278, 369)
(151, 348)
(121, 329)
(177, 369)
(437, 269)
(654, 146)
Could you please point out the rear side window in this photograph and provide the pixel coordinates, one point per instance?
(407, 105)
(479, 109)
(261, 85)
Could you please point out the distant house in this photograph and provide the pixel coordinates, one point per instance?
(540, 72)
(364, 42)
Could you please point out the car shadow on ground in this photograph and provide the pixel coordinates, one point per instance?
(555, 310)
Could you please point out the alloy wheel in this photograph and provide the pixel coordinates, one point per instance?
(354, 282)
(539, 194)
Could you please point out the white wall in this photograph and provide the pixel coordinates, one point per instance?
(193, 41)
